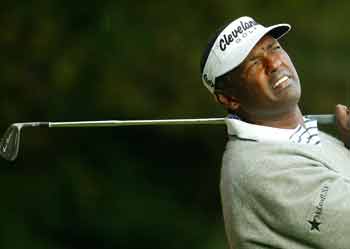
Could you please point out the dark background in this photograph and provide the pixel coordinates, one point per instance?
(134, 187)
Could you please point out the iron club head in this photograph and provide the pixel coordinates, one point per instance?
(9, 144)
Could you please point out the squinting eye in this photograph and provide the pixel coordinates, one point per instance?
(256, 62)
(277, 47)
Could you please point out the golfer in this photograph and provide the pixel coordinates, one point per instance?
(284, 184)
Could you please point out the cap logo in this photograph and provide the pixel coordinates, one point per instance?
(209, 82)
(227, 39)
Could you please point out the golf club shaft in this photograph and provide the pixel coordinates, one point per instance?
(110, 123)
(322, 119)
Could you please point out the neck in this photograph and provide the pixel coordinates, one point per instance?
(287, 120)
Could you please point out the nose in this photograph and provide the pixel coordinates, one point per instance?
(273, 62)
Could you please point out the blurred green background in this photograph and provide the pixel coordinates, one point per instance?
(134, 187)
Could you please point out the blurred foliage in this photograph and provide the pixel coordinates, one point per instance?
(134, 187)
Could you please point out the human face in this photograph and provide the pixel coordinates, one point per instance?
(268, 82)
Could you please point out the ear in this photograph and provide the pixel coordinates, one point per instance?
(229, 102)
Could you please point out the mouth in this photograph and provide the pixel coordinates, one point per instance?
(281, 83)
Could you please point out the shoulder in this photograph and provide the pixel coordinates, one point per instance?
(251, 152)
(249, 159)
(330, 139)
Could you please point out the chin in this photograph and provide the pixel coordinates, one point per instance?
(292, 91)
(286, 99)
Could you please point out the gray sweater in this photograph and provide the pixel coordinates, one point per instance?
(285, 195)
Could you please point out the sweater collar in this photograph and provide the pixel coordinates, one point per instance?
(303, 134)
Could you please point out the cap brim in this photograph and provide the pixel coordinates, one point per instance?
(276, 31)
(279, 30)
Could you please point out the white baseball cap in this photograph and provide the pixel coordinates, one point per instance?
(234, 44)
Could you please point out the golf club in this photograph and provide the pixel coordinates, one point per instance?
(10, 142)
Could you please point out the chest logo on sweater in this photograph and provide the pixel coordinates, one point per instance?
(315, 221)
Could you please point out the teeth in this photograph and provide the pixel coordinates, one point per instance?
(284, 78)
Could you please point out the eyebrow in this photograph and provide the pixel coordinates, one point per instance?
(272, 44)
(269, 46)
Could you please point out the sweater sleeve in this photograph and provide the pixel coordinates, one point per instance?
(300, 203)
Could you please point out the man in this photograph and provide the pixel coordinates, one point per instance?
(284, 183)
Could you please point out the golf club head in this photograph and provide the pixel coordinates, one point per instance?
(9, 144)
